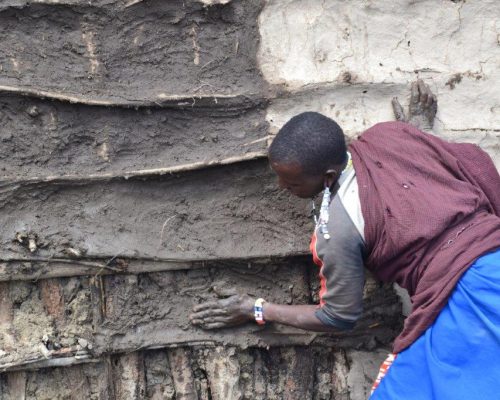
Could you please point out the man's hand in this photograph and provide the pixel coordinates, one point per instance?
(422, 109)
(230, 310)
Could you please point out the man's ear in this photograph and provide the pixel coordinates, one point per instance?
(330, 177)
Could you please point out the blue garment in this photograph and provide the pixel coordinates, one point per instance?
(458, 357)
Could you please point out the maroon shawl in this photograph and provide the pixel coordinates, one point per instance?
(430, 208)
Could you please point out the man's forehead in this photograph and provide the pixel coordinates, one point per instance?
(287, 168)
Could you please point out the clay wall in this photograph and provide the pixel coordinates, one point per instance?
(134, 180)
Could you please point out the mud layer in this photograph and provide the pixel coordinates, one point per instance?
(222, 212)
(149, 50)
(42, 138)
(75, 320)
(149, 311)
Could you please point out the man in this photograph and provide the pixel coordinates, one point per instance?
(414, 210)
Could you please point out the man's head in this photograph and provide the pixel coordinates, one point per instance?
(308, 154)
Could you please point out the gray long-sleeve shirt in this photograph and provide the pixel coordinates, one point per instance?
(341, 257)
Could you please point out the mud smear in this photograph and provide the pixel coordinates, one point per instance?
(223, 212)
(150, 50)
(146, 310)
(122, 313)
(152, 310)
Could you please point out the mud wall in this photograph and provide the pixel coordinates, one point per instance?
(134, 180)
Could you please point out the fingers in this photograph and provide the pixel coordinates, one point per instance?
(230, 311)
(424, 92)
(212, 320)
(398, 110)
(415, 94)
(224, 292)
(208, 305)
(209, 325)
(421, 98)
(430, 100)
(214, 325)
(427, 98)
(433, 107)
(217, 304)
(209, 313)
(205, 321)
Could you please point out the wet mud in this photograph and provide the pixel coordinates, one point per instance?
(97, 316)
(223, 212)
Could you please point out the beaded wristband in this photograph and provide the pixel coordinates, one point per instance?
(257, 311)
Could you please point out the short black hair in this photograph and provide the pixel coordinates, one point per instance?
(312, 140)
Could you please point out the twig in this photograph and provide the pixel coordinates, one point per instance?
(258, 140)
(132, 3)
(163, 229)
(258, 257)
(61, 268)
(65, 261)
(39, 357)
(81, 179)
(160, 99)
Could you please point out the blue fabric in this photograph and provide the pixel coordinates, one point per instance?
(458, 357)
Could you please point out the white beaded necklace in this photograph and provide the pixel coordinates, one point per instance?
(324, 214)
